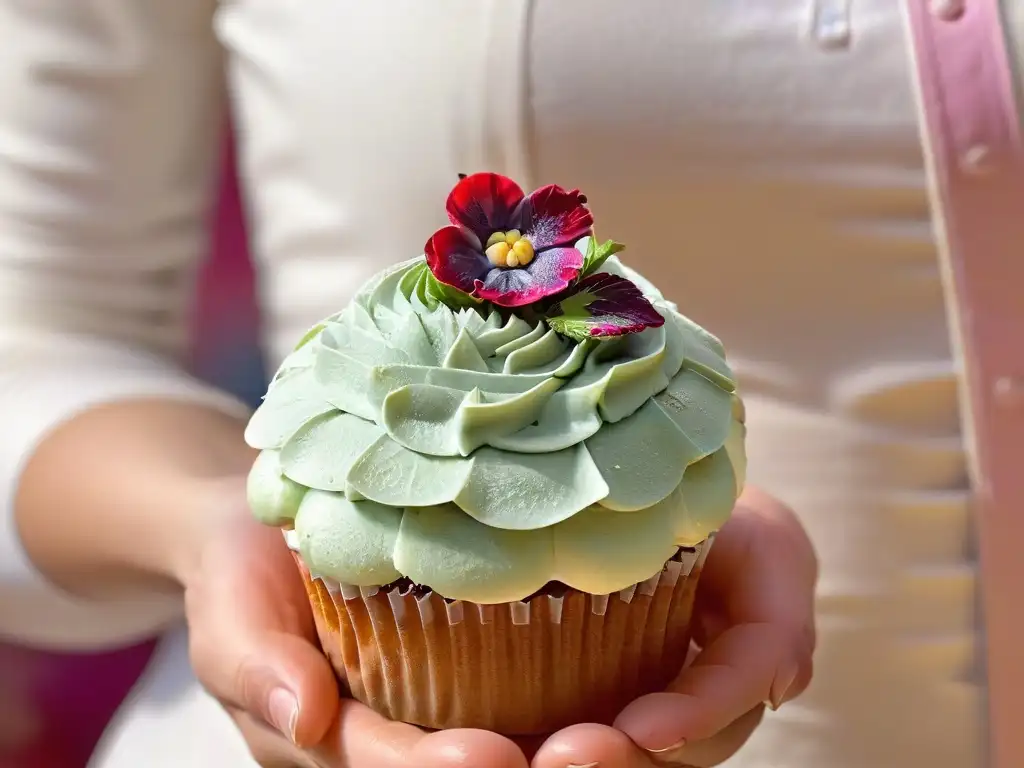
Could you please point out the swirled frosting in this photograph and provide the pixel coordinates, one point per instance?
(483, 455)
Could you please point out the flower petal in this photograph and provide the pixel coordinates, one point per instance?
(453, 260)
(484, 203)
(603, 305)
(555, 268)
(508, 288)
(556, 217)
(549, 273)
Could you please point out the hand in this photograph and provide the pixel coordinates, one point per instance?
(253, 646)
(754, 625)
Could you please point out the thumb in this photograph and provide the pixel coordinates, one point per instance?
(284, 680)
(253, 641)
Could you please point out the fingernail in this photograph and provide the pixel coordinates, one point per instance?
(284, 711)
(783, 682)
(584, 765)
(667, 750)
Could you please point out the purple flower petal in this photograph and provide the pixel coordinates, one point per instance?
(454, 260)
(486, 202)
(603, 305)
(549, 273)
(555, 216)
(509, 287)
(555, 268)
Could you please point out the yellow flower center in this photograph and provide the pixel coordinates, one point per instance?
(509, 249)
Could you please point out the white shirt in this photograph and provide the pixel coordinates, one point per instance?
(769, 180)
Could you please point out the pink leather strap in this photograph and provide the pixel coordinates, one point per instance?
(974, 136)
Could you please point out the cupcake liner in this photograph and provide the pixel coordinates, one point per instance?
(518, 668)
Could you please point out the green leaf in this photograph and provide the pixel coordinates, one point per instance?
(421, 281)
(575, 328)
(597, 254)
(446, 294)
(572, 318)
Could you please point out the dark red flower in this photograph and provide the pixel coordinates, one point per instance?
(506, 247)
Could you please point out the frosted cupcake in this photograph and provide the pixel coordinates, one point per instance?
(500, 469)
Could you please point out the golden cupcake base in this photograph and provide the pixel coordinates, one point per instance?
(517, 668)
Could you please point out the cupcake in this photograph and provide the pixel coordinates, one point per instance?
(500, 469)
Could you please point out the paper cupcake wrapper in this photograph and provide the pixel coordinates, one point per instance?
(516, 668)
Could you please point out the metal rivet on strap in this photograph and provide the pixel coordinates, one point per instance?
(978, 160)
(948, 10)
(1009, 390)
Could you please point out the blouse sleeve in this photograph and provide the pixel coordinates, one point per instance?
(110, 117)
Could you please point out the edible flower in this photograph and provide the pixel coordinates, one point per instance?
(506, 247)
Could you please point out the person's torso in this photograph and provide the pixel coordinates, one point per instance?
(763, 167)
(762, 162)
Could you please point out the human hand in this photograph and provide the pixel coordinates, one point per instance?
(754, 625)
(253, 646)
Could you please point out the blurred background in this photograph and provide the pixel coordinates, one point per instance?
(54, 708)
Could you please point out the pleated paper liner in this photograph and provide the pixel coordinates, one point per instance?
(515, 668)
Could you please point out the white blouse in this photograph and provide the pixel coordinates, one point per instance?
(760, 160)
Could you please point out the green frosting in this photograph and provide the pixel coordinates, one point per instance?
(484, 455)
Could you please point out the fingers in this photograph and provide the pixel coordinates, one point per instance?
(593, 745)
(254, 646)
(361, 738)
(759, 585)
(268, 747)
(717, 749)
(465, 747)
(282, 678)
(762, 567)
(764, 571)
(733, 676)
(590, 745)
(252, 639)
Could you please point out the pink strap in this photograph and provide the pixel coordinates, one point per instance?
(977, 157)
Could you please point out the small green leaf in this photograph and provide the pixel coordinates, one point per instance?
(597, 254)
(573, 319)
(575, 328)
(446, 294)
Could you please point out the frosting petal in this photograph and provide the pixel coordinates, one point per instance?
(735, 446)
(289, 403)
(704, 353)
(456, 555)
(450, 422)
(642, 458)
(628, 546)
(349, 541)
(700, 409)
(321, 453)
(706, 498)
(534, 491)
(391, 474)
(483, 454)
(273, 498)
